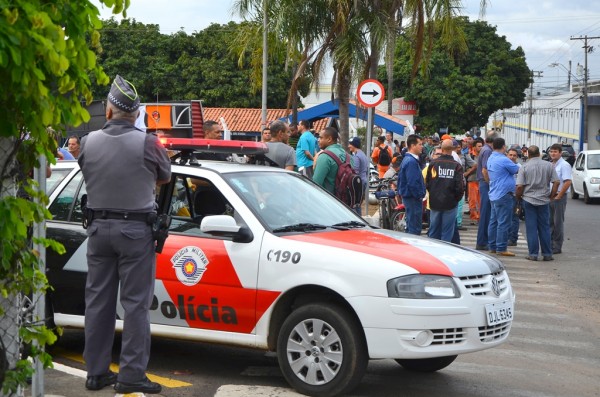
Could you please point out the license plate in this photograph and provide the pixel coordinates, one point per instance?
(498, 313)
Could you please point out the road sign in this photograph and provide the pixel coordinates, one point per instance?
(370, 93)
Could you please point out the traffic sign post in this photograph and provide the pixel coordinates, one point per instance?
(369, 93)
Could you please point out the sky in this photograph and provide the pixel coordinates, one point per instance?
(543, 28)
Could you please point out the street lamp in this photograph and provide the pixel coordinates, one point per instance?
(569, 74)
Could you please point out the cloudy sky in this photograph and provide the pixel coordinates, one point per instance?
(543, 28)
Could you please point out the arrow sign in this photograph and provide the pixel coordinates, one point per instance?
(370, 93)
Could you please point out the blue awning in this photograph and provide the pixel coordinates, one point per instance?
(331, 109)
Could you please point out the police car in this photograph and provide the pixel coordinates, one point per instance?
(261, 257)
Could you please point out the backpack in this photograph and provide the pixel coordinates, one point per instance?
(384, 156)
(348, 185)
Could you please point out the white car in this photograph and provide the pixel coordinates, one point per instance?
(264, 258)
(586, 176)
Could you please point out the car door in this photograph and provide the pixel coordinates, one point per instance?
(67, 273)
(206, 282)
(578, 173)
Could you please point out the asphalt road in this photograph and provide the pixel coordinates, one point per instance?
(553, 349)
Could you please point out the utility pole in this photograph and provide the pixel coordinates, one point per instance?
(586, 49)
(534, 73)
(263, 122)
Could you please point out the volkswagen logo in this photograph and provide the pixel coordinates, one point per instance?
(496, 286)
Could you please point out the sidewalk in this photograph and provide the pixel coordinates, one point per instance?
(64, 381)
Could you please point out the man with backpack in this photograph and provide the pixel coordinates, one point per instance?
(382, 156)
(334, 172)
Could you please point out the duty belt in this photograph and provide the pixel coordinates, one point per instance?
(147, 217)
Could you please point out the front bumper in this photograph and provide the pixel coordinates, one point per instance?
(424, 328)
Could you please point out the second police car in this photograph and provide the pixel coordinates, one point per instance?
(263, 258)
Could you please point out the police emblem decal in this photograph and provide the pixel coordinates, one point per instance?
(189, 264)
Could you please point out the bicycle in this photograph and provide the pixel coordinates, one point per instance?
(391, 213)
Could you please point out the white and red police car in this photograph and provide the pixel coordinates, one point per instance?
(263, 258)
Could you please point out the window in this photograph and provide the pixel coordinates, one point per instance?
(68, 200)
(58, 174)
(193, 199)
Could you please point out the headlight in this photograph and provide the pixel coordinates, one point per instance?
(595, 181)
(422, 286)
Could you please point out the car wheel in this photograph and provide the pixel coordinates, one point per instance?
(427, 364)
(321, 350)
(399, 221)
(574, 195)
(586, 196)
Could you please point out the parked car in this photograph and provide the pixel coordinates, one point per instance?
(262, 257)
(586, 176)
(568, 153)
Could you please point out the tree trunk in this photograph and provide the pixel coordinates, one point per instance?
(343, 95)
(389, 57)
(9, 328)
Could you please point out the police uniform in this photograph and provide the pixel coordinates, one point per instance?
(121, 166)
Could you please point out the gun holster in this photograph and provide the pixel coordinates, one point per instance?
(88, 215)
(160, 231)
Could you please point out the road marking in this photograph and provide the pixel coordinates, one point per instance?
(168, 382)
(249, 390)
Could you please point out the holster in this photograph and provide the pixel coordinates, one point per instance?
(88, 214)
(160, 231)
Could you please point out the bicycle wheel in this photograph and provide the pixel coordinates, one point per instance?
(384, 220)
(399, 221)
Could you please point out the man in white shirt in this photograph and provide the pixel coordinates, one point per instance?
(558, 203)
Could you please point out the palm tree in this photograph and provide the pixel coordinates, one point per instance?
(351, 33)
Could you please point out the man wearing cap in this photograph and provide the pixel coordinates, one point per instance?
(121, 166)
(360, 164)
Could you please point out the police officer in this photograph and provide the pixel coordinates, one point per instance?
(121, 166)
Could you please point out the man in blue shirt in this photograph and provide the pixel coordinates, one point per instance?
(484, 191)
(361, 165)
(501, 171)
(305, 150)
(411, 186)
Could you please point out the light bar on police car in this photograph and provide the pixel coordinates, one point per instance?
(214, 145)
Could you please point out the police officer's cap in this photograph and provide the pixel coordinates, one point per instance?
(124, 95)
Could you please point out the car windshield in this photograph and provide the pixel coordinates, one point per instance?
(285, 202)
(593, 162)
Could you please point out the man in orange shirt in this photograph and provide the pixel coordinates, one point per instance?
(383, 161)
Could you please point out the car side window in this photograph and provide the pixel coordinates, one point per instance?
(67, 199)
(578, 161)
(193, 199)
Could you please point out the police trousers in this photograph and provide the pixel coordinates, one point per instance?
(121, 266)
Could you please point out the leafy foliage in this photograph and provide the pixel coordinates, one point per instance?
(45, 67)
(183, 67)
(460, 91)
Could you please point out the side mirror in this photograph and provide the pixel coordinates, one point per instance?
(225, 226)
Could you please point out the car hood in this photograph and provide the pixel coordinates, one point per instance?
(425, 255)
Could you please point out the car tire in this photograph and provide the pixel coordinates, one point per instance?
(574, 195)
(321, 350)
(586, 196)
(427, 364)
